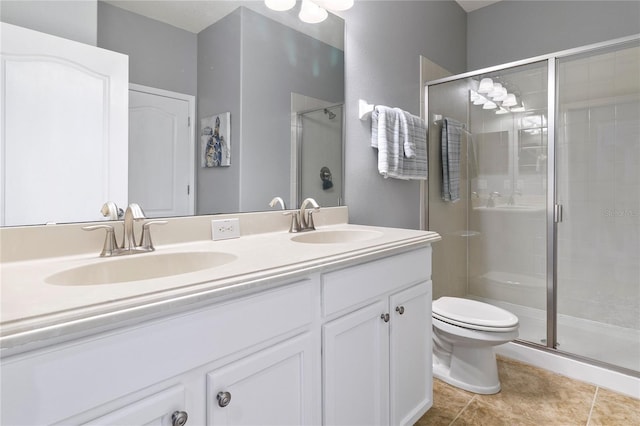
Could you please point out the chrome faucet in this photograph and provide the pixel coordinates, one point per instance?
(277, 200)
(302, 219)
(132, 214)
(128, 245)
(491, 201)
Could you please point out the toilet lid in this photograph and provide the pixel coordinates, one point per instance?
(473, 314)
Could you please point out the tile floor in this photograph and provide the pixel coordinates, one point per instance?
(531, 396)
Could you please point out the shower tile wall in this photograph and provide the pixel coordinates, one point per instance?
(599, 186)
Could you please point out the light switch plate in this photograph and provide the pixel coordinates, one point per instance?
(224, 229)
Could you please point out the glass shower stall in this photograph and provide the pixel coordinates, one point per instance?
(548, 220)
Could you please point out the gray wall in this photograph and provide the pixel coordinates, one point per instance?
(160, 55)
(519, 29)
(219, 64)
(383, 43)
(73, 20)
(278, 60)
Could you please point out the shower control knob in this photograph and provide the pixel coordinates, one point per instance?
(179, 418)
(385, 317)
(400, 309)
(224, 398)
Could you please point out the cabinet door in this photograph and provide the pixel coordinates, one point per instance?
(271, 387)
(356, 368)
(160, 409)
(410, 363)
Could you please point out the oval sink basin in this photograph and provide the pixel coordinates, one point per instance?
(139, 267)
(334, 237)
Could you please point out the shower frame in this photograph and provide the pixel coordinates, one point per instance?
(553, 210)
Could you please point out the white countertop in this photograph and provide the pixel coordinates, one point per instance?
(33, 310)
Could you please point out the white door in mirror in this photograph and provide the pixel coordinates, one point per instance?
(64, 136)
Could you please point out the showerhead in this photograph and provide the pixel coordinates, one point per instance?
(330, 114)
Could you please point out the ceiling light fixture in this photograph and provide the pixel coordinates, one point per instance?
(486, 85)
(311, 11)
(338, 5)
(518, 108)
(489, 105)
(280, 5)
(496, 91)
(480, 100)
(510, 100)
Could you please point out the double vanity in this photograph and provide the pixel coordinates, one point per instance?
(331, 326)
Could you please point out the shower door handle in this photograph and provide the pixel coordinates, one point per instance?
(557, 213)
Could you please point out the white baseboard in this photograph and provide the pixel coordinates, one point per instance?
(572, 368)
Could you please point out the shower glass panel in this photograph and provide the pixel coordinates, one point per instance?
(507, 169)
(320, 155)
(493, 244)
(598, 185)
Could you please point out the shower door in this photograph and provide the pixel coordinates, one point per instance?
(507, 212)
(548, 222)
(598, 186)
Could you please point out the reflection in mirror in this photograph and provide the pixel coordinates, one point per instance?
(319, 145)
(245, 61)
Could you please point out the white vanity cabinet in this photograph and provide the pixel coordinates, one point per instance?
(348, 343)
(377, 352)
(144, 374)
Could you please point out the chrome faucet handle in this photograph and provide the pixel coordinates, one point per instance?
(295, 221)
(145, 240)
(110, 243)
(310, 224)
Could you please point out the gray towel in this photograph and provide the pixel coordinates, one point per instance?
(401, 142)
(450, 144)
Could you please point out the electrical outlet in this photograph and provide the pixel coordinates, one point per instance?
(224, 229)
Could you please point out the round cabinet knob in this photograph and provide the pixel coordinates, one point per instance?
(179, 418)
(224, 398)
(400, 309)
(385, 317)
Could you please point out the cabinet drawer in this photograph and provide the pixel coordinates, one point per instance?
(90, 372)
(351, 286)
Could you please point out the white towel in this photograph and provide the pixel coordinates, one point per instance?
(401, 141)
(386, 135)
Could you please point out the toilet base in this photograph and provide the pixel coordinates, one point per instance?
(474, 370)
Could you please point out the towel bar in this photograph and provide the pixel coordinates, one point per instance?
(364, 109)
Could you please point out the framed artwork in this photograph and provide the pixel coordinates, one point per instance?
(215, 140)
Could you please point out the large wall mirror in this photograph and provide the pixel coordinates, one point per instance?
(272, 85)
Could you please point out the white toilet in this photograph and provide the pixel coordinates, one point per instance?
(464, 334)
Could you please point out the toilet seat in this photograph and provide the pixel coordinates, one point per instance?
(474, 315)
